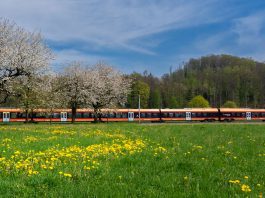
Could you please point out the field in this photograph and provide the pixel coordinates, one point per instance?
(122, 160)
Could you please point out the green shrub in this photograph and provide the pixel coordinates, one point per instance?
(229, 104)
(198, 101)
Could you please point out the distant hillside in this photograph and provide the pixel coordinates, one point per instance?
(219, 78)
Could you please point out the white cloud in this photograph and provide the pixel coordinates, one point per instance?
(109, 23)
(67, 56)
(249, 30)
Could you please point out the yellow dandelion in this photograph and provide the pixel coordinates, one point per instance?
(67, 175)
(234, 181)
(245, 188)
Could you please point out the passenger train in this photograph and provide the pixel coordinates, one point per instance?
(130, 115)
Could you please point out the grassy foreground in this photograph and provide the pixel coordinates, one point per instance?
(121, 160)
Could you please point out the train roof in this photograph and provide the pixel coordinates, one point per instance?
(241, 110)
(191, 110)
(142, 110)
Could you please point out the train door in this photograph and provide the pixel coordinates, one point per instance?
(130, 116)
(63, 116)
(188, 115)
(248, 115)
(6, 116)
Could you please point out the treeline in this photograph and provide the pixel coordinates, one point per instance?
(220, 79)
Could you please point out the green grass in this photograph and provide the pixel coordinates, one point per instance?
(131, 160)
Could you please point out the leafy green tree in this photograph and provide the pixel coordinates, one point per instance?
(155, 99)
(198, 101)
(139, 88)
(173, 102)
(229, 104)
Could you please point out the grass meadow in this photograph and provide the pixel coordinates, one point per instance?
(132, 160)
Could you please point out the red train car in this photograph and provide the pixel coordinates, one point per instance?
(231, 114)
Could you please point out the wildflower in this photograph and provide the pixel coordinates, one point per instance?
(2, 159)
(258, 185)
(245, 188)
(60, 172)
(234, 181)
(185, 178)
(246, 177)
(67, 175)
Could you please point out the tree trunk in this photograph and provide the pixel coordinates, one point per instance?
(27, 115)
(31, 115)
(73, 112)
(95, 115)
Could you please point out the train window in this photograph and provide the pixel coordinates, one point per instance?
(199, 115)
(164, 115)
(155, 115)
(86, 115)
(148, 115)
(41, 115)
(111, 115)
(170, 115)
(142, 115)
(21, 115)
(13, 115)
(79, 115)
(136, 115)
(118, 115)
(56, 115)
(193, 115)
(180, 115)
(124, 115)
(104, 115)
(226, 114)
(263, 114)
(255, 114)
(69, 115)
(212, 114)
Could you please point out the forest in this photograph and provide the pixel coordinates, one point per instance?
(220, 79)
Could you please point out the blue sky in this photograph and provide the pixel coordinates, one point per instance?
(138, 35)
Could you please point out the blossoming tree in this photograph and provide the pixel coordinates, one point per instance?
(22, 53)
(107, 88)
